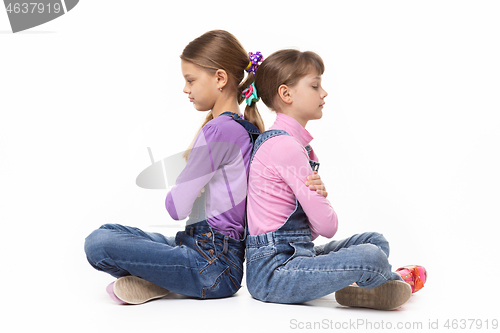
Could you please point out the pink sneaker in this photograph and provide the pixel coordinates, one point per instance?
(109, 290)
(414, 275)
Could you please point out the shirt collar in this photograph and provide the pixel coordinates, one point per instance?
(292, 127)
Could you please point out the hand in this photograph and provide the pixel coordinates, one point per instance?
(316, 184)
(202, 191)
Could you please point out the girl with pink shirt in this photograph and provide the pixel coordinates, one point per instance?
(287, 207)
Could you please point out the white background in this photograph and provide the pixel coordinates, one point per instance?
(409, 147)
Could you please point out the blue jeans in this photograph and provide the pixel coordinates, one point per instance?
(198, 262)
(284, 266)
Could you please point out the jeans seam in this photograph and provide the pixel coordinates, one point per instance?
(260, 256)
(282, 268)
(217, 281)
(201, 252)
(232, 263)
(231, 279)
(208, 265)
(235, 253)
(137, 263)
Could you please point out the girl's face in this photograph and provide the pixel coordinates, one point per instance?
(308, 98)
(201, 86)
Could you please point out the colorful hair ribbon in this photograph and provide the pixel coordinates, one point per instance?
(250, 94)
(255, 60)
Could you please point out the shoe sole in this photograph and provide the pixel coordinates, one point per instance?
(389, 296)
(134, 290)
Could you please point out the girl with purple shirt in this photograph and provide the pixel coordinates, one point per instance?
(285, 216)
(206, 259)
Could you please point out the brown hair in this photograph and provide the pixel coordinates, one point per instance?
(219, 49)
(284, 67)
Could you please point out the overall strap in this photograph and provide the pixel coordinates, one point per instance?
(264, 137)
(314, 165)
(252, 130)
(254, 133)
(258, 142)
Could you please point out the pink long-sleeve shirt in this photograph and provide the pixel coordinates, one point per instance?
(277, 177)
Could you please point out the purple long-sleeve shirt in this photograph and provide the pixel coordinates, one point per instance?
(219, 163)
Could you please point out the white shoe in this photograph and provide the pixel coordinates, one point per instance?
(134, 290)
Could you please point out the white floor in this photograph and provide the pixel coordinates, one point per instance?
(65, 293)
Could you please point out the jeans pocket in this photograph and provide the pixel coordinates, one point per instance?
(225, 285)
(301, 249)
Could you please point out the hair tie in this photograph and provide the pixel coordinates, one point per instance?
(255, 59)
(250, 94)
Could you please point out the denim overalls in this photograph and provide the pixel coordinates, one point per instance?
(284, 266)
(199, 261)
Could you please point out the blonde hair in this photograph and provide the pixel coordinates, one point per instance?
(219, 49)
(284, 67)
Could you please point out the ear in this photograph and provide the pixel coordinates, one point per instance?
(285, 94)
(221, 78)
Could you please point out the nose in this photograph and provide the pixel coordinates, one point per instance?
(185, 89)
(324, 94)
